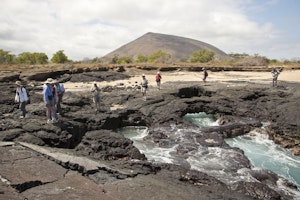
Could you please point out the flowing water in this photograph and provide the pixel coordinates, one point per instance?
(261, 151)
(264, 153)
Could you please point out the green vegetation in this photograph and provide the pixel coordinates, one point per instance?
(159, 57)
(59, 57)
(6, 57)
(142, 59)
(202, 56)
(32, 58)
(23, 58)
(122, 60)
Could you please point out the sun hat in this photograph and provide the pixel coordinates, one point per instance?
(95, 82)
(18, 83)
(49, 80)
(158, 72)
(143, 75)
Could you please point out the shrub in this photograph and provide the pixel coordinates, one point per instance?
(201, 56)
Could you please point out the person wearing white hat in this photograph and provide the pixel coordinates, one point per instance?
(144, 87)
(48, 97)
(22, 98)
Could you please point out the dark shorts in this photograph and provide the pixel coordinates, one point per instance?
(49, 104)
(96, 99)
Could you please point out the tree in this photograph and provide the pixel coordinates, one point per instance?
(32, 58)
(26, 58)
(202, 56)
(122, 60)
(40, 58)
(59, 57)
(159, 57)
(142, 59)
(6, 57)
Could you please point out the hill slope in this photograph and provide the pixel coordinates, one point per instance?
(178, 47)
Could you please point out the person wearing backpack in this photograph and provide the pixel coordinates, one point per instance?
(60, 90)
(158, 80)
(144, 87)
(22, 98)
(49, 101)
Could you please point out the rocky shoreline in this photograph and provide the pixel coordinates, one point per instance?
(83, 157)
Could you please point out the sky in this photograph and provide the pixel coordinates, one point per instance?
(93, 28)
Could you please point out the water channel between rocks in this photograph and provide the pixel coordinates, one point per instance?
(262, 152)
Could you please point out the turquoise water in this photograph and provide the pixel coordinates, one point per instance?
(262, 152)
(151, 150)
(201, 119)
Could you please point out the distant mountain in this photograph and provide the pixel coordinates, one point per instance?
(178, 47)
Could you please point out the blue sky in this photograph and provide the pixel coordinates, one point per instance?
(93, 28)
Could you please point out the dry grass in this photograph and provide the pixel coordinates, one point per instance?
(18, 68)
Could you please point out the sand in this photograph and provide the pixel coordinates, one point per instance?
(232, 76)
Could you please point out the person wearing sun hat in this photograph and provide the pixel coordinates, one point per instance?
(22, 98)
(49, 101)
(144, 87)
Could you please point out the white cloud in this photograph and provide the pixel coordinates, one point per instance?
(93, 28)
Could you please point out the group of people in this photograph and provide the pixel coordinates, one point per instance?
(144, 84)
(53, 92)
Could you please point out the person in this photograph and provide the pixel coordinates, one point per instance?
(205, 75)
(22, 98)
(96, 95)
(275, 74)
(54, 94)
(49, 101)
(158, 80)
(144, 85)
(60, 90)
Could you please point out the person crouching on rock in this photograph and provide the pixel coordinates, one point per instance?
(144, 85)
(96, 95)
(22, 98)
(49, 101)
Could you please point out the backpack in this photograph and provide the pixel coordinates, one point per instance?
(28, 95)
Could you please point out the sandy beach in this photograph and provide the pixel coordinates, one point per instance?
(225, 76)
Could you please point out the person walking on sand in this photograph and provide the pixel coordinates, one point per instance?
(49, 101)
(158, 80)
(22, 98)
(275, 74)
(96, 95)
(144, 87)
(205, 75)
